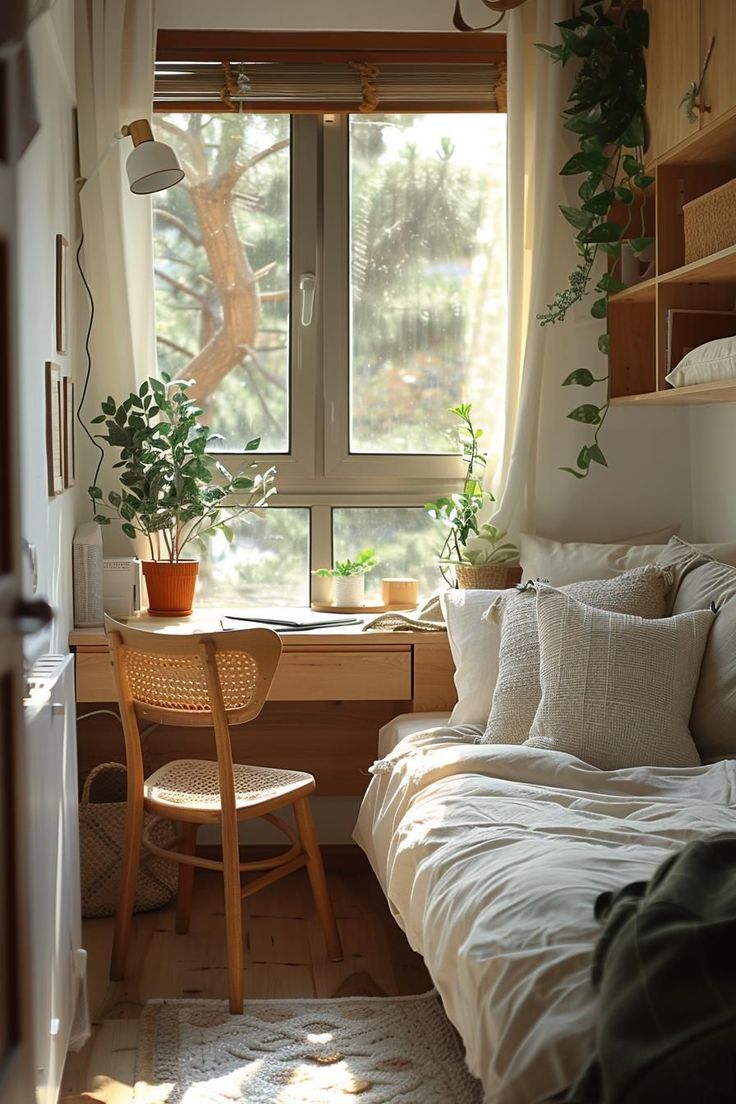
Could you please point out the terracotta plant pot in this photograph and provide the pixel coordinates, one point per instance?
(170, 586)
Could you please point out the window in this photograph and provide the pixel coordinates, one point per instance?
(332, 283)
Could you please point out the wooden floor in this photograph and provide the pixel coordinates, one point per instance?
(284, 957)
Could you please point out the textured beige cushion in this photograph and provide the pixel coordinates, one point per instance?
(516, 697)
(713, 719)
(616, 689)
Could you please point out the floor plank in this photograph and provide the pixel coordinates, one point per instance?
(285, 956)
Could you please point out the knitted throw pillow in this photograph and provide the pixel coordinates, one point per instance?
(516, 697)
(617, 690)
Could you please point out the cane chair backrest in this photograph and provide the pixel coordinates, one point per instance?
(165, 677)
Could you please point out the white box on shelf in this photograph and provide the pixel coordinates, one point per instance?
(121, 585)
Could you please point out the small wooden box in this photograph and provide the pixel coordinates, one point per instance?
(710, 222)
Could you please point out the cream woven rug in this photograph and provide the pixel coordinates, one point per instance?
(376, 1050)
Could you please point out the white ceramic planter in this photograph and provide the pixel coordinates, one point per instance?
(348, 590)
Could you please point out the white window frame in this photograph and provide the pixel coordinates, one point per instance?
(318, 471)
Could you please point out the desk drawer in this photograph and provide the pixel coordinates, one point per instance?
(343, 674)
(304, 674)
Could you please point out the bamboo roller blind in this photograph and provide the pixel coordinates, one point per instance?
(330, 72)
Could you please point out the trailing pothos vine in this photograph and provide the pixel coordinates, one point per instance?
(605, 109)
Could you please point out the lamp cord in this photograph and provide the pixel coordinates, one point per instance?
(88, 371)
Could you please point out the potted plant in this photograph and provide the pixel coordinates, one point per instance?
(348, 578)
(172, 491)
(475, 552)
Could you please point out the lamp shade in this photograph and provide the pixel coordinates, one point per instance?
(153, 167)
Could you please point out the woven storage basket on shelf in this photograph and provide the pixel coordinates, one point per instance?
(486, 576)
(101, 834)
(710, 222)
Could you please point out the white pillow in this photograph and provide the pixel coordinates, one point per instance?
(559, 563)
(474, 644)
(617, 690)
(716, 360)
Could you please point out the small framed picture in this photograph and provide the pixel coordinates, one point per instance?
(54, 432)
(67, 417)
(62, 251)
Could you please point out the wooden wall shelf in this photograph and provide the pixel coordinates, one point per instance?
(718, 268)
(688, 160)
(698, 395)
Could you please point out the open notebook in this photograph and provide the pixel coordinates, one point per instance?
(286, 619)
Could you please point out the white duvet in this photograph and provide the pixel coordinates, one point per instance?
(491, 858)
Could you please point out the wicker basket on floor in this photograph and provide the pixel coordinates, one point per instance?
(487, 576)
(101, 834)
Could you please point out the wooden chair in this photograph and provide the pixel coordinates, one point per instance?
(210, 680)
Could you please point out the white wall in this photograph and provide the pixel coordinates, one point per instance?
(713, 467)
(46, 206)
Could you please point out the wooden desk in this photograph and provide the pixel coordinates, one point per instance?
(333, 690)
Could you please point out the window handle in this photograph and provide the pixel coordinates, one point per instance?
(306, 286)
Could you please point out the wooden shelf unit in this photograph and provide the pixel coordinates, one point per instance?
(637, 318)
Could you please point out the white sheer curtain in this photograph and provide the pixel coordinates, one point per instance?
(536, 98)
(115, 42)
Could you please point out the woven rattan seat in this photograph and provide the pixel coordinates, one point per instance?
(208, 680)
(195, 784)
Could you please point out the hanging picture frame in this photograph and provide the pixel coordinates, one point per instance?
(54, 432)
(67, 418)
(62, 325)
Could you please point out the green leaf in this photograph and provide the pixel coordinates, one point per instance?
(604, 341)
(128, 530)
(94, 492)
(253, 445)
(581, 220)
(101, 519)
(229, 535)
(632, 165)
(599, 308)
(624, 194)
(591, 162)
(584, 121)
(634, 134)
(583, 377)
(596, 454)
(114, 499)
(576, 44)
(583, 460)
(98, 419)
(604, 232)
(610, 283)
(638, 245)
(557, 53)
(641, 180)
(588, 187)
(600, 203)
(587, 413)
(611, 249)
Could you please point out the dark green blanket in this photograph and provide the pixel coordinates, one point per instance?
(666, 969)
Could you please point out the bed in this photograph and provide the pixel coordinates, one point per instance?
(491, 857)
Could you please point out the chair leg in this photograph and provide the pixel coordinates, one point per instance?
(186, 879)
(128, 882)
(317, 879)
(233, 921)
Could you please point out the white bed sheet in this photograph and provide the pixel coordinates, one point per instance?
(491, 858)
